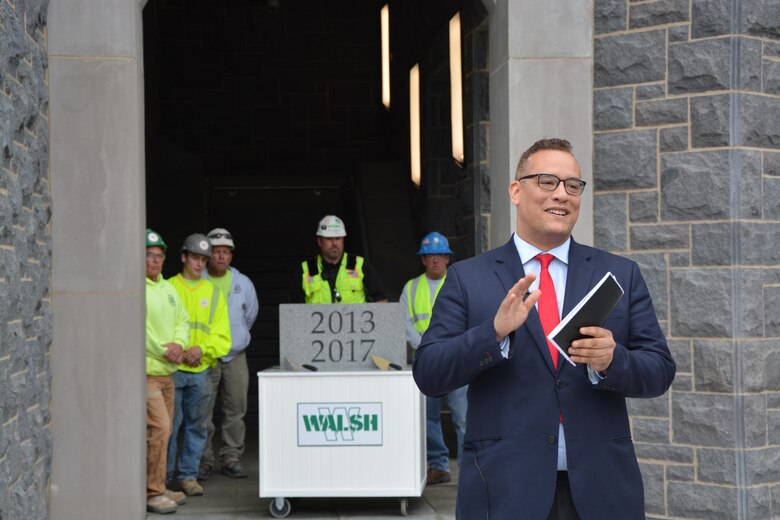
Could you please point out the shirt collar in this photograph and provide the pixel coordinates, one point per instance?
(527, 251)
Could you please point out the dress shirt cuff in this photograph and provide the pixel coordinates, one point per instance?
(594, 375)
(504, 345)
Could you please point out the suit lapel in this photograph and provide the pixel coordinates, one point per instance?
(509, 270)
(578, 277)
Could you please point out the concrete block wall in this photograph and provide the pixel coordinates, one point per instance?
(686, 154)
(25, 262)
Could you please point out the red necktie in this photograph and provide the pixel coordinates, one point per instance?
(548, 303)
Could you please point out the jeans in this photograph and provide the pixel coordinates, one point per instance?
(191, 408)
(438, 454)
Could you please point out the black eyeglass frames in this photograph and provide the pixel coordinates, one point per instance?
(550, 182)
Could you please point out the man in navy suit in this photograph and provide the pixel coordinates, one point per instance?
(544, 438)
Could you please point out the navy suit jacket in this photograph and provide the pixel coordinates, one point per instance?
(510, 451)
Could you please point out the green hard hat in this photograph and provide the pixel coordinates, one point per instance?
(153, 238)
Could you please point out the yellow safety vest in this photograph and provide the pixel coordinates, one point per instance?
(209, 321)
(418, 296)
(349, 281)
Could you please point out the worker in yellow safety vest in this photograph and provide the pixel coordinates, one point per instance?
(209, 340)
(418, 298)
(334, 276)
(167, 332)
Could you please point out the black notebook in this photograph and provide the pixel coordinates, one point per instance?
(592, 311)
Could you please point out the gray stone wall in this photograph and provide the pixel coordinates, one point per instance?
(25, 262)
(687, 171)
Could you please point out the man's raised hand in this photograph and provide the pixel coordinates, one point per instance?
(514, 309)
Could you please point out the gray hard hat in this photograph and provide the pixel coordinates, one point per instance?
(197, 243)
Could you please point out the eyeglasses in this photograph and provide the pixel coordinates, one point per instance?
(221, 235)
(550, 182)
(155, 256)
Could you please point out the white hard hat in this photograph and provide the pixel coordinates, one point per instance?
(221, 237)
(331, 226)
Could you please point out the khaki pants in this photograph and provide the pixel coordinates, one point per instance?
(231, 381)
(159, 422)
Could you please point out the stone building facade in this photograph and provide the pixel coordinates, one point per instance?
(25, 262)
(682, 117)
(687, 147)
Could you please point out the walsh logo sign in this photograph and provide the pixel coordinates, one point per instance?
(339, 424)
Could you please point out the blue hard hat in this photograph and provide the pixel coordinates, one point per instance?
(434, 243)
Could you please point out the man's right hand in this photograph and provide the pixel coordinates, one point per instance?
(514, 310)
(192, 356)
(174, 353)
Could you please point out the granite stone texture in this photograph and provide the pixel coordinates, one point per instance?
(678, 33)
(662, 236)
(644, 92)
(703, 419)
(761, 18)
(699, 66)
(772, 311)
(653, 479)
(682, 473)
(613, 108)
(662, 112)
(702, 173)
(629, 58)
(674, 139)
(701, 302)
(610, 214)
(654, 270)
(758, 121)
(710, 118)
(661, 12)
(625, 160)
(771, 163)
(711, 244)
(609, 15)
(643, 207)
(710, 18)
(25, 263)
(671, 453)
(772, 77)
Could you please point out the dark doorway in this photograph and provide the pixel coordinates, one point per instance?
(263, 116)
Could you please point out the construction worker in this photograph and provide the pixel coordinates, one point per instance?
(230, 376)
(334, 276)
(209, 340)
(418, 297)
(167, 331)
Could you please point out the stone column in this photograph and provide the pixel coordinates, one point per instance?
(686, 112)
(540, 86)
(97, 171)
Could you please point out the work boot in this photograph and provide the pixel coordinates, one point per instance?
(191, 487)
(204, 471)
(437, 476)
(161, 505)
(177, 496)
(233, 470)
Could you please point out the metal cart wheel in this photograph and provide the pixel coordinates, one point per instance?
(404, 505)
(280, 507)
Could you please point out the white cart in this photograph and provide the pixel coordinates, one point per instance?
(340, 434)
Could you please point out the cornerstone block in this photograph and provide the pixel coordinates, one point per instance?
(341, 337)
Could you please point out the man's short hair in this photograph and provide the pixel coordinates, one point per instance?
(555, 143)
